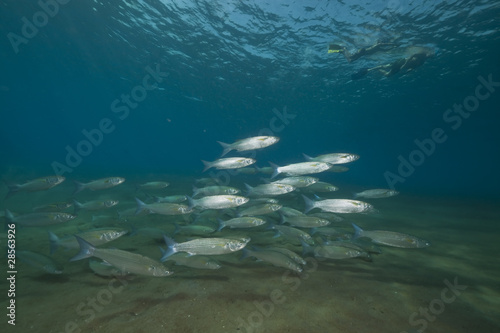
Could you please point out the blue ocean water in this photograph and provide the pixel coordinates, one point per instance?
(145, 89)
(228, 65)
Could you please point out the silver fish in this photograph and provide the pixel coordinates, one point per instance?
(228, 163)
(199, 262)
(275, 258)
(306, 221)
(53, 207)
(172, 198)
(153, 185)
(96, 237)
(39, 219)
(376, 193)
(204, 246)
(338, 205)
(162, 208)
(321, 187)
(193, 229)
(241, 222)
(124, 261)
(298, 181)
(217, 201)
(214, 190)
(335, 158)
(299, 169)
(293, 233)
(390, 238)
(39, 261)
(103, 268)
(335, 250)
(256, 142)
(269, 189)
(94, 205)
(38, 184)
(287, 211)
(99, 184)
(298, 259)
(261, 209)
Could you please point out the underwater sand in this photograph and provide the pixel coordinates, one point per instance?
(330, 296)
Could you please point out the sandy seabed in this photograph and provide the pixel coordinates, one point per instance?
(452, 286)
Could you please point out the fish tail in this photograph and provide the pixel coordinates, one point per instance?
(226, 148)
(177, 229)
(207, 165)
(357, 231)
(191, 202)
(77, 205)
(249, 189)
(54, 242)
(78, 187)
(309, 204)
(275, 170)
(307, 157)
(221, 224)
(86, 249)
(306, 248)
(170, 248)
(245, 253)
(140, 206)
(196, 191)
(283, 218)
(13, 189)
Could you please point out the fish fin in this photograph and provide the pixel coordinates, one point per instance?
(86, 249)
(221, 225)
(13, 189)
(195, 191)
(78, 187)
(140, 206)
(207, 165)
(177, 229)
(248, 188)
(275, 169)
(313, 231)
(77, 206)
(283, 218)
(307, 157)
(306, 248)
(358, 232)
(170, 248)
(265, 180)
(54, 242)
(226, 148)
(191, 203)
(134, 231)
(309, 204)
(245, 253)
